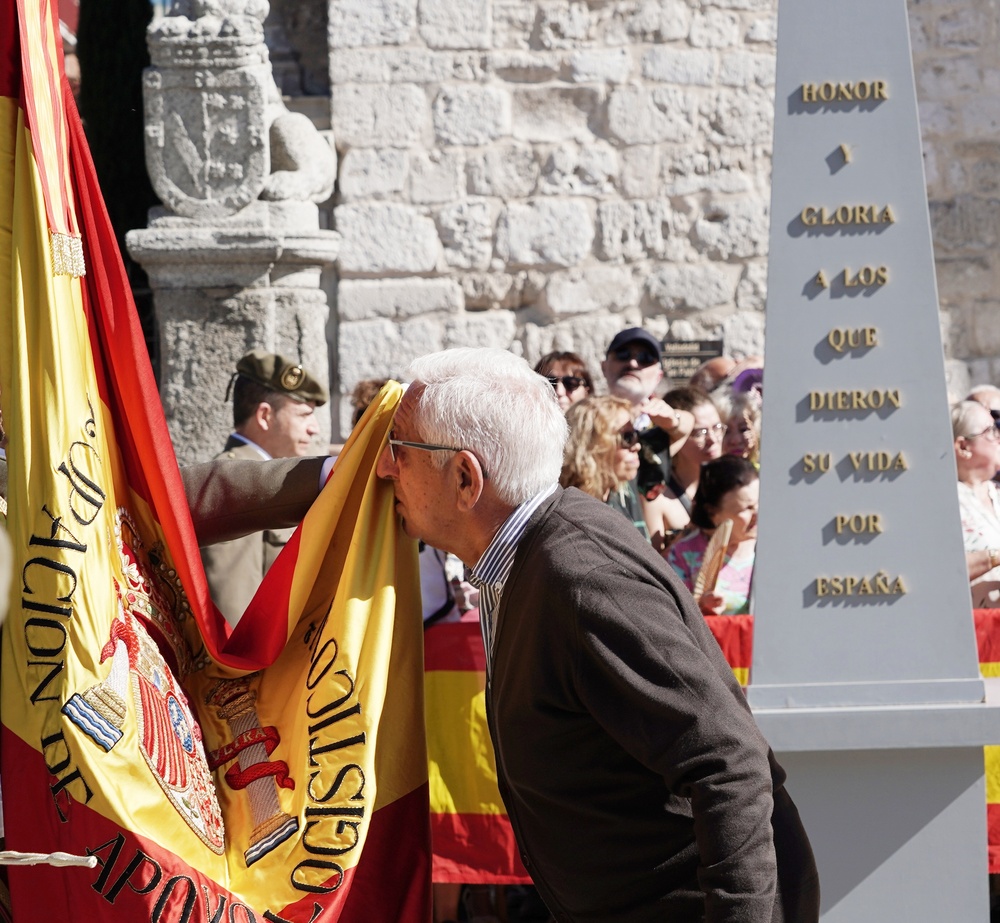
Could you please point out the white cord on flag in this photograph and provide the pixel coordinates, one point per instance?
(67, 255)
(60, 859)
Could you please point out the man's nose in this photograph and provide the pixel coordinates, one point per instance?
(386, 467)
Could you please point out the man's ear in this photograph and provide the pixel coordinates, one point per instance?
(470, 480)
(263, 415)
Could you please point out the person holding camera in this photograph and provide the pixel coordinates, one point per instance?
(633, 369)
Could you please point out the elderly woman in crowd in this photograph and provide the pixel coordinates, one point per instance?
(668, 515)
(568, 375)
(602, 455)
(977, 457)
(728, 490)
(741, 413)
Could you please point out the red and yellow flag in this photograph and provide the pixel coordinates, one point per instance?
(472, 837)
(275, 775)
(988, 641)
(735, 636)
(471, 833)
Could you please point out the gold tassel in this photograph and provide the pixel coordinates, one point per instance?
(67, 255)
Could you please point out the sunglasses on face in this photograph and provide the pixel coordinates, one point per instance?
(644, 357)
(628, 439)
(569, 382)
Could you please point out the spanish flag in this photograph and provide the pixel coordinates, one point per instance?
(471, 833)
(279, 774)
(988, 641)
(735, 636)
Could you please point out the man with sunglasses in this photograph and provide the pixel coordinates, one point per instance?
(633, 368)
(637, 783)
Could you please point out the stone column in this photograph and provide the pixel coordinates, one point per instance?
(235, 257)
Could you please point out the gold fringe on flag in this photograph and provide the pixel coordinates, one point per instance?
(67, 255)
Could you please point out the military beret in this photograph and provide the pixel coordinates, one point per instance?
(279, 374)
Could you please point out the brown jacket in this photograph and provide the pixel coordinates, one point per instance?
(235, 568)
(638, 784)
(244, 510)
(233, 498)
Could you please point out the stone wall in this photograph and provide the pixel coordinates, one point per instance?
(537, 174)
(956, 59)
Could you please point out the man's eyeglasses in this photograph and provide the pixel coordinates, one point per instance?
(569, 382)
(426, 446)
(643, 357)
(628, 439)
(700, 435)
(990, 434)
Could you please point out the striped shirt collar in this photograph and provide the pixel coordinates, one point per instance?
(491, 571)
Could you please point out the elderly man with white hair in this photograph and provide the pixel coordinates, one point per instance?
(637, 783)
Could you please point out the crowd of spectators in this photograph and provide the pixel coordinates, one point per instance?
(679, 462)
(664, 456)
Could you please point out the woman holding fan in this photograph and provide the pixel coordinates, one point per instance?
(716, 561)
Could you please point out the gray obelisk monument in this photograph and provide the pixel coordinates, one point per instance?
(865, 675)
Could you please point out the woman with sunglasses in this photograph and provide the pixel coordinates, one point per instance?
(602, 455)
(568, 375)
(728, 491)
(977, 458)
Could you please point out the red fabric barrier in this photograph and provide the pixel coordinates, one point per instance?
(479, 847)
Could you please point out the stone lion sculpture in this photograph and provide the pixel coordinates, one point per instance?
(303, 164)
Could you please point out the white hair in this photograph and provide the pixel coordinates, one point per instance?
(961, 413)
(490, 402)
(982, 389)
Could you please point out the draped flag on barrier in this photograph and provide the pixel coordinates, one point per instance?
(735, 637)
(471, 833)
(988, 641)
(274, 775)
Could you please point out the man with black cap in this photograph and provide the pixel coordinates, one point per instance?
(274, 415)
(633, 368)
